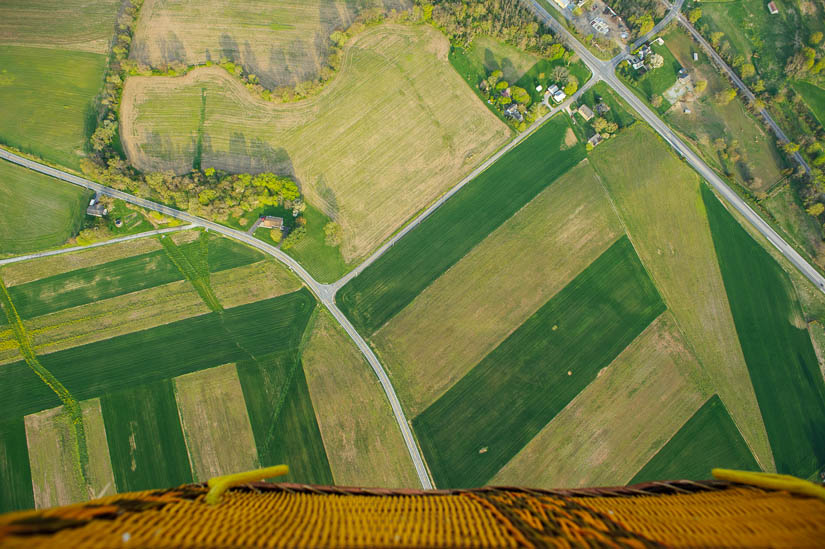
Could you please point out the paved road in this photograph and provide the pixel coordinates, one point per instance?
(766, 116)
(475, 173)
(17, 258)
(605, 71)
(325, 292)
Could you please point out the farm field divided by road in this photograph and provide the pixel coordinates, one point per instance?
(441, 130)
(144, 376)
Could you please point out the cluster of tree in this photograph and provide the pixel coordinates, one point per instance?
(639, 14)
(507, 20)
(605, 127)
(501, 95)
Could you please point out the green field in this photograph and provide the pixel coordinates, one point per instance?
(283, 420)
(120, 277)
(15, 472)
(392, 131)
(389, 284)
(84, 25)
(36, 211)
(475, 428)
(160, 353)
(709, 439)
(47, 97)
(324, 262)
(814, 96)
(773, 334)
(145, 438)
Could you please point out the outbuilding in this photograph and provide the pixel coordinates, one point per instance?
(271, 222)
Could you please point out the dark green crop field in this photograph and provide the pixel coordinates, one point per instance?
(145, 438)
(389, 284)
(495, 410)
(15, 472)
(122, 276)
(120, 363)
(777, 347)
(283, 419)
(709, 439)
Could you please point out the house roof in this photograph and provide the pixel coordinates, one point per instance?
(586, 112)
(271, 222)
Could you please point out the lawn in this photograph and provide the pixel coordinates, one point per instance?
(36, 211)
(47, 97)
(486, 54)
(359, 431)
(656, 81)
(15, 472)
(283, 420)
(709, 439)
(659, 200)
(761, 164)
(466, 312)
(160, 353)
(620, 420)
(441, 240)
(119, 277)
(84, 25)
(282, 42)
(773, 332)
(324, 263)
(393, 131)
(601, 93)
(145, 437)
(530, 377)
(212, 413)
(814, 96)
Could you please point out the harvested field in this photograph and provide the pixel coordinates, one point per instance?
(160, 353)
(709, 439)
(362, 439)
(22, 272)
(389, 134)
(471, 308)
(658, 198)
(405, 270)
(56, 473)
(59, 208)
(283, 42)
(531, 376)
(215, 424)
(83, 25)
(145, 437)
(283, 420)
(15, 472)
(772, 331)
(618, 422)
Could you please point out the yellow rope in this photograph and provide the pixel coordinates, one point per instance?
(772, 481)
(219, 485)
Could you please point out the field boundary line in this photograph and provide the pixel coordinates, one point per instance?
(127, 238)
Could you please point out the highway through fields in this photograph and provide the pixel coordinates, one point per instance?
(605, 70)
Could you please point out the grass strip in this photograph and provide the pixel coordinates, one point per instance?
(393, 281)
(198, 273)
(72, 407)
(775, 342)
(709, 439)
(486, 418)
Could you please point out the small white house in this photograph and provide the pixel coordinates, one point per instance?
(559, 96)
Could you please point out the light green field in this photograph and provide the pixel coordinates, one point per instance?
(283, 42)
(82, 25)
(56, 475)
(362, 439)
(212, 412)
(661, 206)
(619, 421)
(36, 211)
(390, 133)
(761, 165)
(803, 230)
(47, 97)
(471, 308)
(494, 55)
(815, 98)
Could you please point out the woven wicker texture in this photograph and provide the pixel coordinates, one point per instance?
(260, 515)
